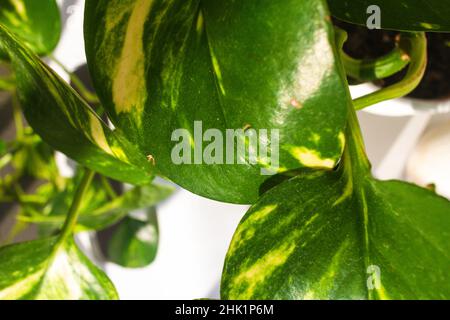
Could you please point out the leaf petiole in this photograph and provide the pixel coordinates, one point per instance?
(18, 228)
(357, 156)
(415, 45)
(17, 114)
(373, 69)
(85, 92)
(5, 159)
(354, 146)
(109, 190)
(72, 215)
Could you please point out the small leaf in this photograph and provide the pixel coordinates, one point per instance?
(60, 200)
(134, 243)
(37, 23)
(67, 123)
(97, 211)
(45, 269)
(50, 214)
(137, 198)
(407, 15)
(160, 66)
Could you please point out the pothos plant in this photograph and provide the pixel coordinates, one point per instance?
(320, 228)
(53, 267)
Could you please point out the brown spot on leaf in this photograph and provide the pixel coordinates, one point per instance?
(151, 159)
(296, 104)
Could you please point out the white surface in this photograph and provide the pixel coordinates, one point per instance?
(70, 49)
(393, 163)
(430, 162)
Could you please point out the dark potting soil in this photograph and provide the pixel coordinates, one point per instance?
(363, 43)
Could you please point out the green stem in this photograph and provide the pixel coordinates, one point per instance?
(79, 85)
(18, 228)
(415, 44)
(72, 216)
(8, 79)
(17, 114)
(6, 199)
(33, 199)
(7, 84)
(24, 199)
(373, 69)
(354, 149)
(84, 91)
(109, 190)
(18, 191)
(4, 160)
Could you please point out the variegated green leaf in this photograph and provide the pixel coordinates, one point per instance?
(37, 23)
(67, 123)
(341, 235)
(161, 65)
(47, 269)
(408, 15)
(134, 243)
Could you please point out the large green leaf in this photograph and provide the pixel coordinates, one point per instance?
(134, 243)
(67, 123)
(47, 269)
(37, 23)
(161, 65)
(414, 15)
(341, 235)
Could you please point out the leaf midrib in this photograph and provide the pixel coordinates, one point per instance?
(210, 60)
